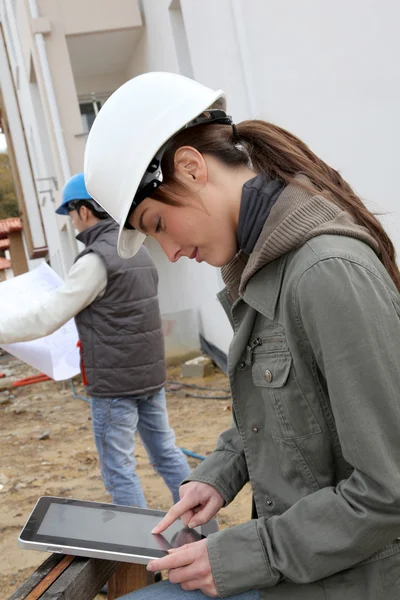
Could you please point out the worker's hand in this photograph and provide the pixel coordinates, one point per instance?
(190, 566)
(199, 503)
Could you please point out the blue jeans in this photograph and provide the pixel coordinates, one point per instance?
(115, 422)
(172, 591)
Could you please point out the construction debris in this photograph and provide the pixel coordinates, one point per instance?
(201, 366)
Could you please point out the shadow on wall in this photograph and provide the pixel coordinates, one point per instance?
(181, 334)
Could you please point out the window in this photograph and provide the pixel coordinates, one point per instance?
(89, 106)
(89, 111)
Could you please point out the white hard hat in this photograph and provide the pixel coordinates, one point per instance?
(122, 152)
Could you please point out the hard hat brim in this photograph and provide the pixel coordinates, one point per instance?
(62, 210)
(129, 242)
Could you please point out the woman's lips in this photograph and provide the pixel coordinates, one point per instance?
(195, 254)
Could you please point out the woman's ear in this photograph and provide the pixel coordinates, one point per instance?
(190, 166)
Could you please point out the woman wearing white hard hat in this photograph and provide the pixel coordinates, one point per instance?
(312, 291)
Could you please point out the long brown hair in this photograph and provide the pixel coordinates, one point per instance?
(280, 155)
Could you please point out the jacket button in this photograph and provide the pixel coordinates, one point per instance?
(242, 365)
(268, 376)
(269, 502)
(255, 429)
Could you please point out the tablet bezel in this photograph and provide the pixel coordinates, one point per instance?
(30, 538)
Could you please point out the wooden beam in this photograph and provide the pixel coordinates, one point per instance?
(41, 572)
(64, 563)
(82, 580)
(63, 577)
(127, 578)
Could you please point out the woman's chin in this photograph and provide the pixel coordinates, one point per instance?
(220, 259)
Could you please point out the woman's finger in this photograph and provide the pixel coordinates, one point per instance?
(176, 511)
(206, 512)
(186, 517)
(184, 556)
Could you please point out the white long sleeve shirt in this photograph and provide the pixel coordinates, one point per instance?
(86, 281)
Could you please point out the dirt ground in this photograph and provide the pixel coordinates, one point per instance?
(65, 463)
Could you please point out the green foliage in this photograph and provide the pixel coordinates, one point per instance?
(8, 200)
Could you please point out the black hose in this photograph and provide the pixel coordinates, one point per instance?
(198, 387)
(188, 394)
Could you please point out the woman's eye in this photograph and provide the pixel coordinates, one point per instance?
(158, 228)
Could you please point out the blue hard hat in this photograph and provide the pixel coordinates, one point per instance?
(75, 189)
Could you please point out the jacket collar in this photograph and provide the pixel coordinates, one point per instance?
(90, 235)
(263, 289)
(297, 216)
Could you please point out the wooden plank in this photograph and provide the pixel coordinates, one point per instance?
(127, 578)
(50, 578)
(82, 580)
(41, 572)
(62, 577)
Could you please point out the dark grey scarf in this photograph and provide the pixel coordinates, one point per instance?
(258, 197)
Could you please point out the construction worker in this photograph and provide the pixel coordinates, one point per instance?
(117, 315)
(313, 293)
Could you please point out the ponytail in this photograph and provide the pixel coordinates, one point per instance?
(281, 156)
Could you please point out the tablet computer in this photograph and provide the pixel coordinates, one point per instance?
(98, 530)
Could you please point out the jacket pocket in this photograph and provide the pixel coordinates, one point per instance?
(289, 413)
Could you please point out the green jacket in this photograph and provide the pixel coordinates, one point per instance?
(314, 368)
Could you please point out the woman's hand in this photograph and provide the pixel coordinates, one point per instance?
(199, 503)
(189, 566)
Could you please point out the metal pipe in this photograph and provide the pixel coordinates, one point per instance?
(51, 97)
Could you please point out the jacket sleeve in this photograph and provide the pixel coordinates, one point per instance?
(226, 468)
(350, 318)
(86, 280)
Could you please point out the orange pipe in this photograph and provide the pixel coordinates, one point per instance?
(33, 379)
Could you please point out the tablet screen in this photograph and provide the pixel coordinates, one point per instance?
(108, 526)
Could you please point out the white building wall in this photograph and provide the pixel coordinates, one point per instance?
(216, 54)
(329, 72)
(155, 50)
